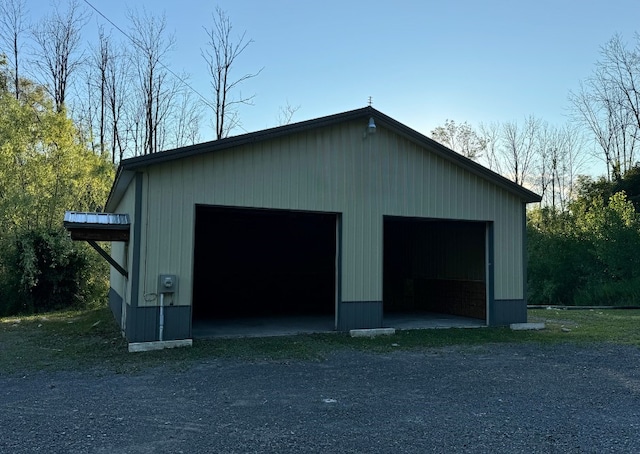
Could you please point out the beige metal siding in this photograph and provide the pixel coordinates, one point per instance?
(334, 169)
(425, 185)
(123, 252)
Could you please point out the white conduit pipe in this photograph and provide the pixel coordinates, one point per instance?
(161, 327)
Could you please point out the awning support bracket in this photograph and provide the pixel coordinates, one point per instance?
(108, 258)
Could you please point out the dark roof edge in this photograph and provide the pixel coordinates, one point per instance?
(445, 152)
(251, 137)
(118, 189)
(128, 167)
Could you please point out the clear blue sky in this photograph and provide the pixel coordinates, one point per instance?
(421, 61)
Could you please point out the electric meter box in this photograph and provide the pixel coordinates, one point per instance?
(167, 283)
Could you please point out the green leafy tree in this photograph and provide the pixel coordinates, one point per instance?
(559, 257)
(45, 169)
(589, 189)
(586, 255)
(615, 238)
(461, 138)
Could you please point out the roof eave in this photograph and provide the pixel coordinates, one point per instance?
(119, 188)
(525, 194)
(128, 167)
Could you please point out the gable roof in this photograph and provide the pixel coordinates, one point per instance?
(128, 167)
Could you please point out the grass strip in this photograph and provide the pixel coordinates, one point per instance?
(90, 339)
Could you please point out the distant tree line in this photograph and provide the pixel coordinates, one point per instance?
(584, 238)
(120, 90)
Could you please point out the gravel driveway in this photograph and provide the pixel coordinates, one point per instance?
(497, 398)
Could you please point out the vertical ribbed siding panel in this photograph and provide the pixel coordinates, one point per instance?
(118, 249)
(374, 273)
(335, 170)
(143, 247)
(425, 185)
(439, 190)
(355, 236)
(187, 217)
(152, 231)
(181, 222)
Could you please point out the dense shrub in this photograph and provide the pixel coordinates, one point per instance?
(611, 293)
(44, 270)
(556, 266)
(587, 255)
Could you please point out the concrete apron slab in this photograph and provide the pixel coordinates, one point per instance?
(158, 345)
(527, 326)
(402, 321)
(372, 332)
(262, 327)
(293, 325)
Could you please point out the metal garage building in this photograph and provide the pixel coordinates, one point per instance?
(352, 216)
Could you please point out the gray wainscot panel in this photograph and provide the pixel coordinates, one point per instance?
(505, 312)
(143, 323)
(115, 304)
(360, 315)
(177, 322)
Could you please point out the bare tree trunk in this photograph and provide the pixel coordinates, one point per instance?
(13, 14)
(491, 135)
(101, 59)
(608, 106)
(220, 55)
(187, 118)
(513, 150)
(151, 47)
(58, 43)
(116, 89)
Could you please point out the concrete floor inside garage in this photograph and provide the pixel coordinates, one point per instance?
(308, 324)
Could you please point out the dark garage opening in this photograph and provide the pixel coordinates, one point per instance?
(252, 263)
(434, 266)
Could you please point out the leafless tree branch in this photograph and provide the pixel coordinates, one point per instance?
(220, 55)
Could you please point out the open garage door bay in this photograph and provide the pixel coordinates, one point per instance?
(263, 263)
(435, 266)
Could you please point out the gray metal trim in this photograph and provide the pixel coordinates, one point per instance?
(126, 166)
(338, 269)
(525, 254)
(490, 273)
(137, 235)
(132, 315)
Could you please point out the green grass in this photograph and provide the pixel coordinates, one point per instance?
(91, 340)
